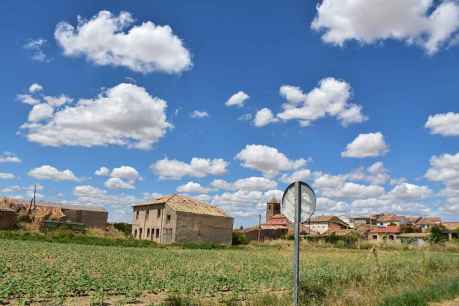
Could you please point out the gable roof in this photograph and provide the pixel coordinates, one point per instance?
(326, 219)
(72, 207)
(186, 204)
(452, 226)
(429, 221)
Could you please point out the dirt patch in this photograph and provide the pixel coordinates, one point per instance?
(454, 302)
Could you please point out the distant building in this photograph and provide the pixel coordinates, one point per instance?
(390, 220)
(426, 223)
(323, 224)
(90, 216)
(181, 219)
(363, 220)
(381, 234)
(7, 218)
(276, 226)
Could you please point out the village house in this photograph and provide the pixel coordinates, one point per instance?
(389, 220)
(323, 224)
(362, 220)
(181, 219)
(384, 234)
(426, 223)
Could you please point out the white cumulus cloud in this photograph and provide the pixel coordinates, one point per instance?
(264, 117)
(427, 23)
(35, 87)
(8, 157)
(40, 112)
(48, 172)
(267, 159)
(366, 145)
(173, 169)
(444, 124)
(117, 183)
(238, 99)
(104, 121)
(107, 39)
(199, 114)
(331, 98)
(192, 187)
(102, 171)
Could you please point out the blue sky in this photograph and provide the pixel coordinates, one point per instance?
(364, 110)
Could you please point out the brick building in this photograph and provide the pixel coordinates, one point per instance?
(181, 219)
(90, 216)
(7, 218)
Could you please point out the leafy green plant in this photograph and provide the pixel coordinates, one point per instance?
(239, 238)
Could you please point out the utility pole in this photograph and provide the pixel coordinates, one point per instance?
(34, 196)
(259, 228)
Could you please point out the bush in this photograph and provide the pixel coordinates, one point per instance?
(125, 228)
(239, 238)
(437, 235)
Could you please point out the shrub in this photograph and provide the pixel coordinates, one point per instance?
(239, 238)
(437, 235)
(126, 228)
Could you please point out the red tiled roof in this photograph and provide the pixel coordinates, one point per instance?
(429, 221)
(452, 226)
(385, 230)
(277, 220)
(390, 218)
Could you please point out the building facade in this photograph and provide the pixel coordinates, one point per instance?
(7, 218)
(179, 219)
(94, 217)
(324, 224)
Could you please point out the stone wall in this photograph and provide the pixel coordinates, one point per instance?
(203, 229)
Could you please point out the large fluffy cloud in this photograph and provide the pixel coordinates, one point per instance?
(125, 115)
(198, 167)
(444, 124)
(48, 172)
(143, 48)
(267, 159)
(424, 22)
(427, 23)
(366, 145)
(331, 98)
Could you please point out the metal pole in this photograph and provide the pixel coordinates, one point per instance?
(296, 256)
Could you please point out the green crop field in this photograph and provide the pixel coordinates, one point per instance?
(43, 271)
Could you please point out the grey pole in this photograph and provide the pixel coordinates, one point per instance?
(296, 256)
